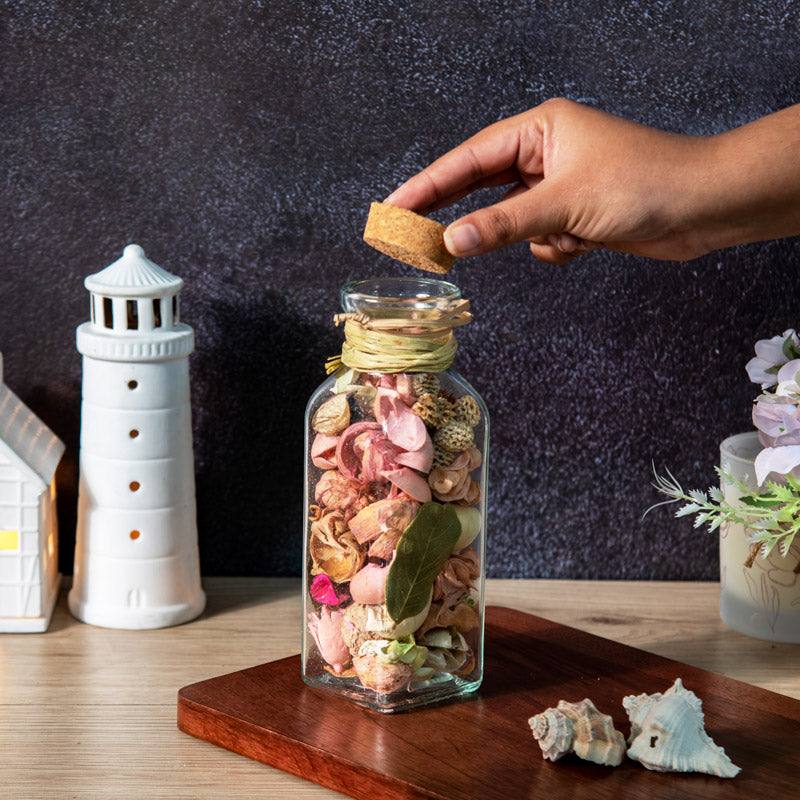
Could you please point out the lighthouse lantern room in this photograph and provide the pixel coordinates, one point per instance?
(136, 557)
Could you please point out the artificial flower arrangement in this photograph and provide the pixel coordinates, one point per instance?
(771, 514)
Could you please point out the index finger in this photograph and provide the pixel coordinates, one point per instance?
(488, 152)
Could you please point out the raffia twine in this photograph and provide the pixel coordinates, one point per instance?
(421, 342)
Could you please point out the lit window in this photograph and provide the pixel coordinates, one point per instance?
(9, 540)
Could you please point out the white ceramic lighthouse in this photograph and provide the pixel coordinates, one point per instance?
(136, 558)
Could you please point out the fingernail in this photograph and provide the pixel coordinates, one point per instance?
(392, 196)
(462, 238)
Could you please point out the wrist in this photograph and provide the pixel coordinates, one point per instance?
(746, 184)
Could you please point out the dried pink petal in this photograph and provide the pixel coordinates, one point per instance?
(323, 591)
(409, 482)
(368, 585)
(326, 630)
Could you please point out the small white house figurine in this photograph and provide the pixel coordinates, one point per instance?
(136, 557)
(29, 455)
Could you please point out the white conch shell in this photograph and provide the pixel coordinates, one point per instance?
(668, 734)
(581, 729)
(553, 730)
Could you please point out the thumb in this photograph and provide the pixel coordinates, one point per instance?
(532, 212)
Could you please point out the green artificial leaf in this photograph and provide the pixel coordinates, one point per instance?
(689, 508)
(789, 349)
(421, 553)
(715, 493)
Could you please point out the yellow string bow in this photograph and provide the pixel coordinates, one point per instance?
(420, 342)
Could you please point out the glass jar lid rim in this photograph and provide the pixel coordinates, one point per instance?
(398, 291)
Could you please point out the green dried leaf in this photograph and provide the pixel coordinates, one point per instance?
(421, 554)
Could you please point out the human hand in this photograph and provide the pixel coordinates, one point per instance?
(581, 179)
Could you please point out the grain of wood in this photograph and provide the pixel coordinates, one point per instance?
(90, 713)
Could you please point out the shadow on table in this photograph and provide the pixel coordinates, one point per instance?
(229, 594)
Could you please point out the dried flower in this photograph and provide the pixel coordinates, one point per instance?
(324, 592)
(334, 550)
(444, 411)
(326, 630)
(425, 383)
(467, 410)
(442, 457)
(333, 416)
(427, 409)
(455, 437)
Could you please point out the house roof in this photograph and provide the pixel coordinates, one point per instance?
(133, 275)
(33, 443)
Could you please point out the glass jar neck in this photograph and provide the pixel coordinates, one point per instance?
(397, 297)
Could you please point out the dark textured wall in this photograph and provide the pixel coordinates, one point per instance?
(240, 144)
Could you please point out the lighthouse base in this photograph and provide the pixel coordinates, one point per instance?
(136, 619)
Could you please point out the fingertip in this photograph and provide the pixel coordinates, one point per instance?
(462, 238)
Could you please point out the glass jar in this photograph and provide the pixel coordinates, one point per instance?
(395, 512)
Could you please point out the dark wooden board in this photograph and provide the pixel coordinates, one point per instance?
(482, 747)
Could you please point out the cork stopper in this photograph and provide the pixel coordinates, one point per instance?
(408, 237)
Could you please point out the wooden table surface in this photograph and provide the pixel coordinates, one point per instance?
(90, 713)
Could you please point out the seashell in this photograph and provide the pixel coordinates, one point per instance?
(333, 416)
(668, 734)
(553, 730)
(466, 409)
(333, 548)
(593, 736)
